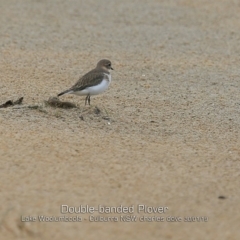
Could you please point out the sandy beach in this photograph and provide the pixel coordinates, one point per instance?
(156, 156)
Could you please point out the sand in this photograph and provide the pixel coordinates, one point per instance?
(165, 133)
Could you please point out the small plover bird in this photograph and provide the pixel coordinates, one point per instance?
(92, 83)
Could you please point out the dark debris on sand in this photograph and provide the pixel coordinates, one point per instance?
(10, 103)
(55, 102)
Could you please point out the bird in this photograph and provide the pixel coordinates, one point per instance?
(94, 82)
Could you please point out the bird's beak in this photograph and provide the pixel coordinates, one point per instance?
(112, 68)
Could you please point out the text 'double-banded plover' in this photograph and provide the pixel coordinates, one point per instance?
(92, 83)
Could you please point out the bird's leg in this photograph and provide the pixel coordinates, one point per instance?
(86, 99)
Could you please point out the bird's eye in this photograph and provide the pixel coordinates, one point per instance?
(109, 64)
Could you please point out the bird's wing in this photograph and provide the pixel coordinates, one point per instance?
(90, 79)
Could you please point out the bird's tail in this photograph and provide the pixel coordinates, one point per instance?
(64, 92)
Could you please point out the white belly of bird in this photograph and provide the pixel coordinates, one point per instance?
(94, 90)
